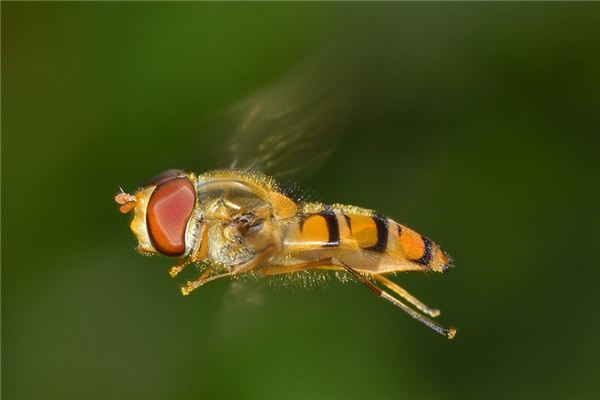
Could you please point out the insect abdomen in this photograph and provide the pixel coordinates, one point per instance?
(367, 232)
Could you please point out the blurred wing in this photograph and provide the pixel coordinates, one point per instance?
(288, 128)
(241, 301)
(245, 299)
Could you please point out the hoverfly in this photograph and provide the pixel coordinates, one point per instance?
(235, 222)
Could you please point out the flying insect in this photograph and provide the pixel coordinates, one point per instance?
(239, 221)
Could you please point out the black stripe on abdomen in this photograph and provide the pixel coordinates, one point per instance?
(427, 253)
(381, 223)
(333, 227)
(348, 222)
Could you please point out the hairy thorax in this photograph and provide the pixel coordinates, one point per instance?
(240, 221)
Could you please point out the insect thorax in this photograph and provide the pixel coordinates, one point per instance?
(239, 219)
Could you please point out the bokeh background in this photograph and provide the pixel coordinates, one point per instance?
(477, 124)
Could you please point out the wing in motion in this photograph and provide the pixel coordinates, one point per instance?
(290, 127)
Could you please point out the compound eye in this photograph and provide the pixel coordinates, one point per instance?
(163, 177)
(169, 210)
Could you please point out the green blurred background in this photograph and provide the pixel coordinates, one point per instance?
(478, 125)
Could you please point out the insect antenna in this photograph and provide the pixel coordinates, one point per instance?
(125, 201)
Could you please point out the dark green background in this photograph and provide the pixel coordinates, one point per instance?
(477, 124)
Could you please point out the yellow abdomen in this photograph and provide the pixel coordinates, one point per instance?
(364, 238)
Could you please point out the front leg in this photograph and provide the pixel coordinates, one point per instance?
(180, 266)
(198, 254)
(235, 270)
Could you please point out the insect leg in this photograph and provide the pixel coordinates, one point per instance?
(198, 254)
(286, 269)
(332, 262)
(432, 312)
(180, 266)
(236, 270)
(448, 332)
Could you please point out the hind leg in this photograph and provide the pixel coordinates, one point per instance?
(334, 264)
(432, 312)
(448, 332)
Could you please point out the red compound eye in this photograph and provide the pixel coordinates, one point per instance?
(163, 177)
(168, 213)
